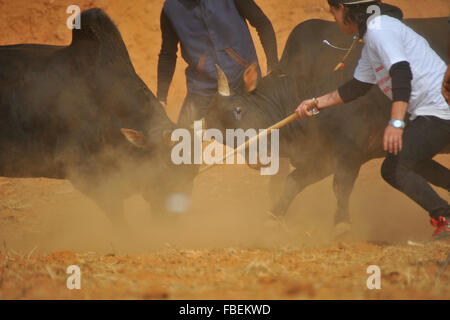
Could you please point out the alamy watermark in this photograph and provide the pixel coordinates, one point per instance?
(373, 22)
(374, 281)
(184, 152)
(74, 20)
(74, 280)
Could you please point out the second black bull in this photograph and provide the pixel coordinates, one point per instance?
(339, 140)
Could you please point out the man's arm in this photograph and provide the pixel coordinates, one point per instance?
(250, 11)
(167, 57)
(401, 76)
(350, 91)
(401, 91)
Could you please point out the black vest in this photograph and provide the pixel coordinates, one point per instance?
(211, 32)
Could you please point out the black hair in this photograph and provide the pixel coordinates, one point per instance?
(357, 13)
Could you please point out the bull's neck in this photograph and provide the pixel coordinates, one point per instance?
(276, 96)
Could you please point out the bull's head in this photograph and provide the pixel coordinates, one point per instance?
(166, 186)
(239, 108)
(250, 106)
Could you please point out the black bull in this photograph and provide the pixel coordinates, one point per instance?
(63, 114)
(339, 140)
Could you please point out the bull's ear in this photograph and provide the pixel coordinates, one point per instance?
(251, 77)
(134, 137)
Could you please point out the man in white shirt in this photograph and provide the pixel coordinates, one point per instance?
(411, 74)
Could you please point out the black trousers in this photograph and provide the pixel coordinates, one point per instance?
(194, 108)
(413, 167)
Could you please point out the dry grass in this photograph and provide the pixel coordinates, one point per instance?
(13, 204)
(332, 272)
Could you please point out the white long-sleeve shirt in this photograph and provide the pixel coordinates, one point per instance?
(388, 41)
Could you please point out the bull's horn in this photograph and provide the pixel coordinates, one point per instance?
(223, 87)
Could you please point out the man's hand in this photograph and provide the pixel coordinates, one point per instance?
(305, 109)
(163, 103)
(392, 141)
(328, 100)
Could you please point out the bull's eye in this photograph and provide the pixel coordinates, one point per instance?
(238, 113)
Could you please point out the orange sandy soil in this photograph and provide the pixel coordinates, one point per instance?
(222, 248)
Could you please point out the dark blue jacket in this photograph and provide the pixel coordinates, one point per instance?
(211, 32)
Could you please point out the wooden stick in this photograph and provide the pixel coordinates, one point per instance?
(277, 125)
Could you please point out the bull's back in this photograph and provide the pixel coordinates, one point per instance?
(311, 61)
(16, 60)
(32, 119)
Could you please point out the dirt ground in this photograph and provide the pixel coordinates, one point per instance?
(222, 248)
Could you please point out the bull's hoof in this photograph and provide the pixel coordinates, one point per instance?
(165, 218)
(275, 219)
(277, 222)
(342, 230)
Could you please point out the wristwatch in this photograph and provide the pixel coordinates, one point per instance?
(397, 123)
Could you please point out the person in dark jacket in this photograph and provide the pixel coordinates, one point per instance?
(410, 73)
(210, 32)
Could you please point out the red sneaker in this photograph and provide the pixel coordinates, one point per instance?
(442, 227)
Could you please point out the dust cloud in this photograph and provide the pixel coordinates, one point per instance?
(229, 203)
(38, 216)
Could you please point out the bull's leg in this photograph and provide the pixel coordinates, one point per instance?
(113, 205)
(345, 176)
(297, 180)
(155, 202)
(277, 181)
(108, 199)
